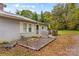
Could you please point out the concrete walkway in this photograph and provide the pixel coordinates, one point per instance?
(37, 45)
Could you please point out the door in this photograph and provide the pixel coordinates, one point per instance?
(37, 29)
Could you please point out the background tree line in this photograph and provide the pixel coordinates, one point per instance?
(62, 16)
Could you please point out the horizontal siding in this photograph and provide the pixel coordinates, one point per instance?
(9, 29)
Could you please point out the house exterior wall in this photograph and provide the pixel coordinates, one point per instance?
(9, 29)
(12, 29)
(28, 34)
(43, 31)
(33, 33)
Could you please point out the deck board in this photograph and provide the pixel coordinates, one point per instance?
(38, 44)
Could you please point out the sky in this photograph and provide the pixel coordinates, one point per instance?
(34, 7)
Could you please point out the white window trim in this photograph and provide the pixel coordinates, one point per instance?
(29, 26)
(24, 27)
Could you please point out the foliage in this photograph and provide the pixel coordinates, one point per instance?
(35, 16)
(67, 16)
(62, 16)
(29, 14)
(42, 17)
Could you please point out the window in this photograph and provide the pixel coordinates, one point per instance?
(30, 28)
(42, 27)
(25, 27)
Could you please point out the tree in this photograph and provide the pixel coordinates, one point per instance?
(42, 17)
(58, 12)
(18, 12)
(35, 16)
(71, 16)
(67, 15)
(62, 16)
(47, 18)
(25, 13)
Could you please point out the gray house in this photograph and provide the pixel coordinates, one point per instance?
(13, 26)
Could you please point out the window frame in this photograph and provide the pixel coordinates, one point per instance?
(24, 27)
(30, 28)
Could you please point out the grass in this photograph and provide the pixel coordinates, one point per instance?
(68, 32)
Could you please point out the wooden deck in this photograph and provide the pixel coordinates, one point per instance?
(36, 45)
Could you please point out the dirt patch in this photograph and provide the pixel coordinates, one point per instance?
(74, 49)
(59, 47)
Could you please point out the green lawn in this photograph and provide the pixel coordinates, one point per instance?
(68, 32)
